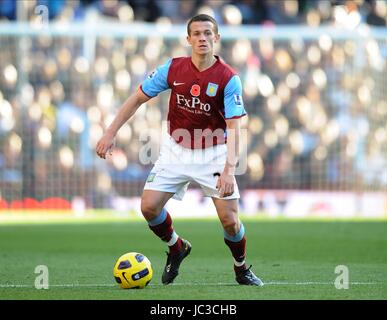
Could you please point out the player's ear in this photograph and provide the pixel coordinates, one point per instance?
(217, 37)
(189, 40)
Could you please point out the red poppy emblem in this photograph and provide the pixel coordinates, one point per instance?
(195, 90)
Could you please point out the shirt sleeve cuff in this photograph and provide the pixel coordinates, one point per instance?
(236, 117)
(145, 92)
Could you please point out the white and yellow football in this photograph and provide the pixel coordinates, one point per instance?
(133, 270)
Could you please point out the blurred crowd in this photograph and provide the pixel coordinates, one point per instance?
(232, 12)
(317, 108)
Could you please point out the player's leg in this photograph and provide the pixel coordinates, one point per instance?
(158, 218)
(168, 178)
(235, 239)
(234, 235)
(160, 222)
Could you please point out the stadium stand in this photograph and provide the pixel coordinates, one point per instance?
(317, 105)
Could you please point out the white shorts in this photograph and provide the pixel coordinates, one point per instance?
(177, 166)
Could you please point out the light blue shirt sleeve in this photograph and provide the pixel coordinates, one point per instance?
(233, 102)
(156, 82)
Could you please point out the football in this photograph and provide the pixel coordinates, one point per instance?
(133, 270)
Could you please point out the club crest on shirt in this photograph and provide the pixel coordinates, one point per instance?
(195, 90)
(238, 99)
(212, 89)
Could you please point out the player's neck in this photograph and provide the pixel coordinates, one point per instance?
(203, 62)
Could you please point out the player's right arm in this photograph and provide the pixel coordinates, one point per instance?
(155, 83)
(127, 110)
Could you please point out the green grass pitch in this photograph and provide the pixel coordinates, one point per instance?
(296, 260)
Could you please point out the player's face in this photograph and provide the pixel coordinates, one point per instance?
(202, 37)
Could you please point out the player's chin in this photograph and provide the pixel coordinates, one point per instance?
(203, 50)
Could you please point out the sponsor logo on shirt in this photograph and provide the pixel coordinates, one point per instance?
(177, 83)
(212, 89)
(192, 104)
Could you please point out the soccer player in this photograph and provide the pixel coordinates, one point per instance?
(204, 114)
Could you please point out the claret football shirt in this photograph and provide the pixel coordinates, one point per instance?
(200, 101)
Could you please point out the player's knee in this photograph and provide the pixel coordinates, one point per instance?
(231, 226)
(149, 209)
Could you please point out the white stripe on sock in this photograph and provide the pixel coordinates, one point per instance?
(173, 239)
(239, 264)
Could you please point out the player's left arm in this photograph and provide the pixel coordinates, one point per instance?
(233, 111)
(226, 180)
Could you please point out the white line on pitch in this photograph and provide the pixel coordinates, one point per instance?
(272, 283)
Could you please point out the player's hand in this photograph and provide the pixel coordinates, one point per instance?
(225, 184)
(105, 145)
